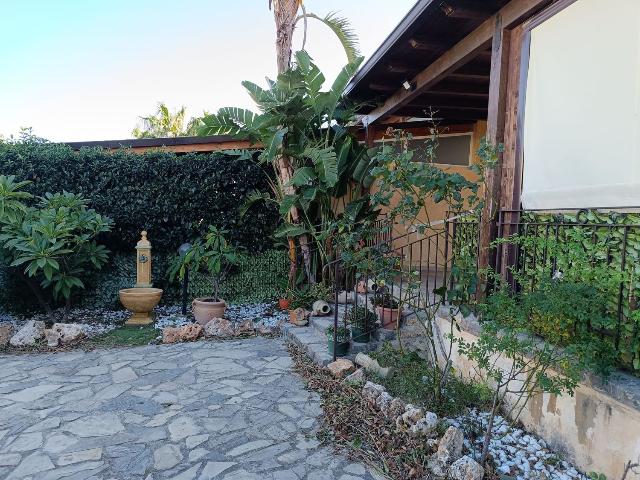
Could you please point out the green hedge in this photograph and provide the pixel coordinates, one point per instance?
(173, 197)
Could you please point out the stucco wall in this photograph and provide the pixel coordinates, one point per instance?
(598, 428)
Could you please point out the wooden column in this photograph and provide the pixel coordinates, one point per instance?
(511, 181)
(495, 135)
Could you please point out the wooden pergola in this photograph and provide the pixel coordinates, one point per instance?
(459, 61)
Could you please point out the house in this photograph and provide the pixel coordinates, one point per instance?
(557, 83)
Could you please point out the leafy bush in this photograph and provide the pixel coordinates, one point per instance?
(588, 290)
(361, 317)
(52, 245)
(212, 254)
(174, 197)
(305, 296)
(413, 380)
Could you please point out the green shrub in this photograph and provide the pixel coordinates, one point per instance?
(414, 378)
(174, 197)
(256, 278)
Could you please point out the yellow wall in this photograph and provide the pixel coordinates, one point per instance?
(437, 212)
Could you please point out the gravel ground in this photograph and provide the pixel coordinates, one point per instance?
(515, 452)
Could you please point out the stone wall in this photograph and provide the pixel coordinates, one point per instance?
(598, 428)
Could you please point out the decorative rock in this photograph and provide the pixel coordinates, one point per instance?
(299, 317)
(372, 365)
(6, 332)
(383, 402)
(245, 327)
(63, 333)
(31, 332)
(396, 408)
(218, 327)
(410, 416)
(450, 446)
(355, 377)
(265, 330)
(425, 425)
(371, 391)
(341, 367)
(466, 468)
(181, 334)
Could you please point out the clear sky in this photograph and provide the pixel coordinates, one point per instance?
(87, 69)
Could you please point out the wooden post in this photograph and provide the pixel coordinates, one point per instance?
(495, 135)
(511, 181)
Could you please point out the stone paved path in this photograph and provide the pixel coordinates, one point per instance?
(230, 410)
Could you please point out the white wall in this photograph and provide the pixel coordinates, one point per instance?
(582, 123)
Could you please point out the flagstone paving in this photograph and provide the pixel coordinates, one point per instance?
(205, 410)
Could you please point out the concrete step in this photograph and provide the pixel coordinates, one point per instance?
(313, 338)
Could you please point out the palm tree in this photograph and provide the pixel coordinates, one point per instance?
(165, 123)
(285, 14)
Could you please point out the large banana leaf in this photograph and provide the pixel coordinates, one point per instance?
(303, 176)
(326, 164)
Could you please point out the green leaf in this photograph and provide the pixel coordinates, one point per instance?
(303, 176)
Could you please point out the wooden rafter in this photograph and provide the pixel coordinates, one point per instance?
(458, 55)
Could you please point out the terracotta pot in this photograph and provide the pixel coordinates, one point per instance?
(206, 309)
(284, 303)
(388, 317)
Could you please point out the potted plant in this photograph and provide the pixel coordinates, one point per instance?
(215, 256)
(341, 345)
(363, 323)
(387, 310)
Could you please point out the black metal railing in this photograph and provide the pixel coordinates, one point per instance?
(538, 242)
(416, 268)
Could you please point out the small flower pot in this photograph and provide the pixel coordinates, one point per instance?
(284, 303)
(388, 317)
(360, 336)
(206, 309)
(341, 348)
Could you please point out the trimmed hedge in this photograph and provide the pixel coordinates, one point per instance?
(173, 197)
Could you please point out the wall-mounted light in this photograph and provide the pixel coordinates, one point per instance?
(447, 9)
(406, 85)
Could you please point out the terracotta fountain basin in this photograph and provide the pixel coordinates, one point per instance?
(140, 302)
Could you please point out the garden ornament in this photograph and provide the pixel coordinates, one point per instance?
(143, 298)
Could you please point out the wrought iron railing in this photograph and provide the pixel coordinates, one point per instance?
(419, 267)
(536, 243)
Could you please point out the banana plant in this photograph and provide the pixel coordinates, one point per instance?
(307, 124)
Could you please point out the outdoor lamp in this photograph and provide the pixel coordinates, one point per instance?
(182, 251)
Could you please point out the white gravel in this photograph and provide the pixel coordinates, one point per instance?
(515, 452)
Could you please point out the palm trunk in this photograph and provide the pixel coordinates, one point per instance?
(284, 14)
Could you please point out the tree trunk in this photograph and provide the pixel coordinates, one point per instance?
(35, 289)
(284, 14)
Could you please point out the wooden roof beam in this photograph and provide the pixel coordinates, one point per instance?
(429, 45)
(454, 58)
(464, 10)
(399, 68)
(382, 87)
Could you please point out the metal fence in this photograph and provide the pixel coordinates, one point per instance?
(417, 267)
(548, 243)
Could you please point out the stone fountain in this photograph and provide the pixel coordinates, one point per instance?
(142, 298)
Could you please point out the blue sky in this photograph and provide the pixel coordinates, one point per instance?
(86, 69)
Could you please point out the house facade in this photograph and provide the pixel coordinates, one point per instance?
(557, 84)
